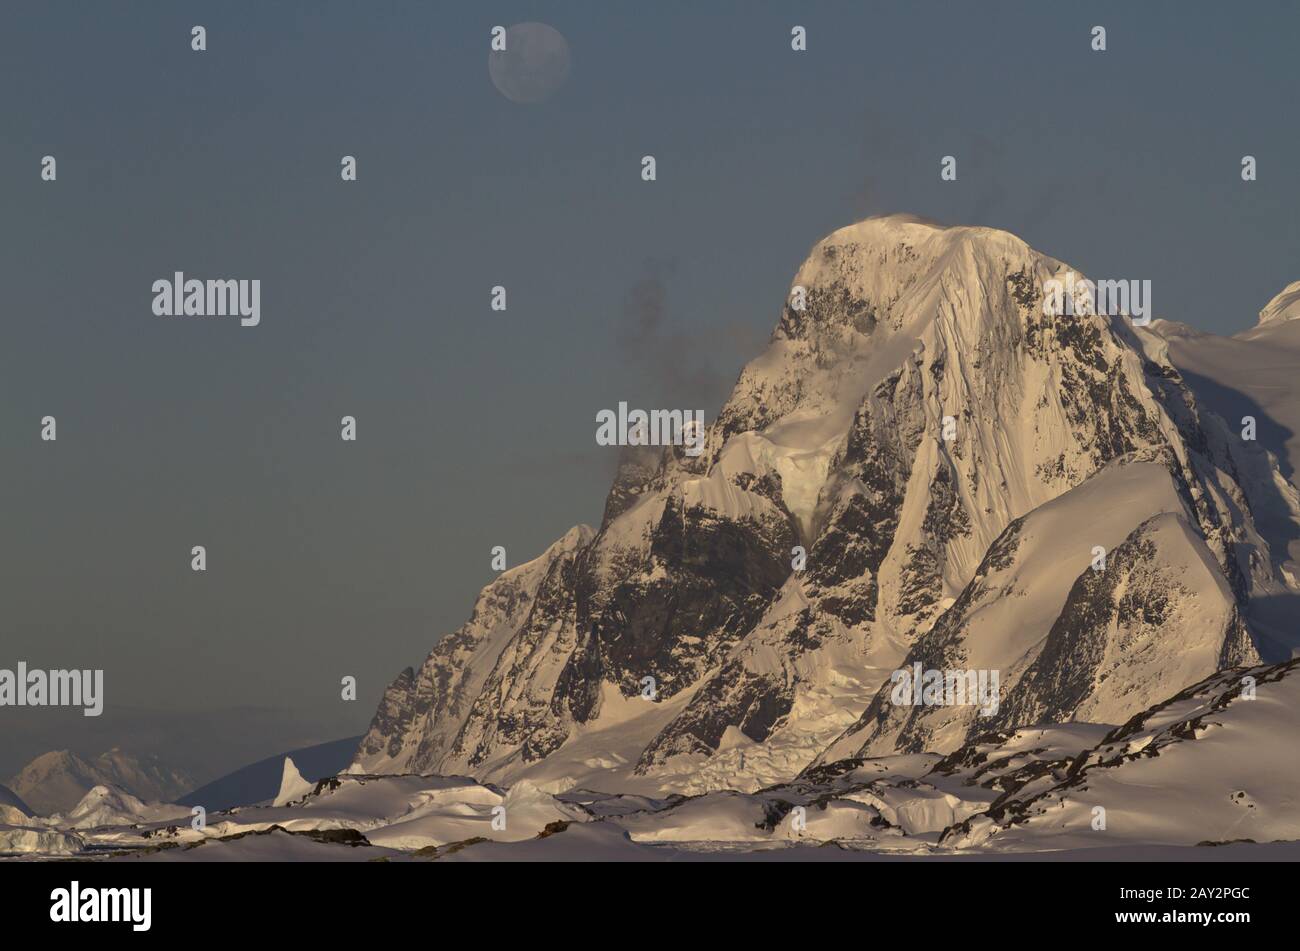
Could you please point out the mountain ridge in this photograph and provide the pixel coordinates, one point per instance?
(55, 782)
(915, 407)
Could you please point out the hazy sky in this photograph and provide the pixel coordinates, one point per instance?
(476, 428)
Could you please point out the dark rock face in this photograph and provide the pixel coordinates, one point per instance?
(861, 517)
(638, 467)
(601, 613)
(942, 648)
(945, 519)
(1107, 641)
(397, 708)
(510, 711)
(420, 717)
(719, 577)
(828, 307)
(735, 697)
(1064, 674)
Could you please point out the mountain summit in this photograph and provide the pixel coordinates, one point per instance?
(1285, 306)
(922, 468)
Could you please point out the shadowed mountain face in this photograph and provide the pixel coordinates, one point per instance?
(923, 467)
(1250, 380)
(12, 806)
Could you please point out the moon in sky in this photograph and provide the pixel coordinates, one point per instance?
(534, 64)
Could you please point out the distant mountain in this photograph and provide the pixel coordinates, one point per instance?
(976, 483)
(59, 780)
(108, 805)
(261, 780)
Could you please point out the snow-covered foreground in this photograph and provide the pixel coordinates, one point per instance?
(1208, 774)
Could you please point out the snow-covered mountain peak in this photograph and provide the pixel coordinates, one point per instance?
(292, 784)
(897, 273)
(923, 464)
(873, 299)
(883, 254)
(1285, 306)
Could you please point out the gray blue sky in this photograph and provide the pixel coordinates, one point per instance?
(476, 428)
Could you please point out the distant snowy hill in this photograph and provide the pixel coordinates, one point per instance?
(108, 805)
(260, 781)
(57, 781)
(952, 459)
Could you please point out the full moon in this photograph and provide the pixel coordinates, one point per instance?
(534, 64)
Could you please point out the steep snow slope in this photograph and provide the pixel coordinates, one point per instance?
(292, 785)
(1070, 641)
(919, 404)
(1107, 653)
